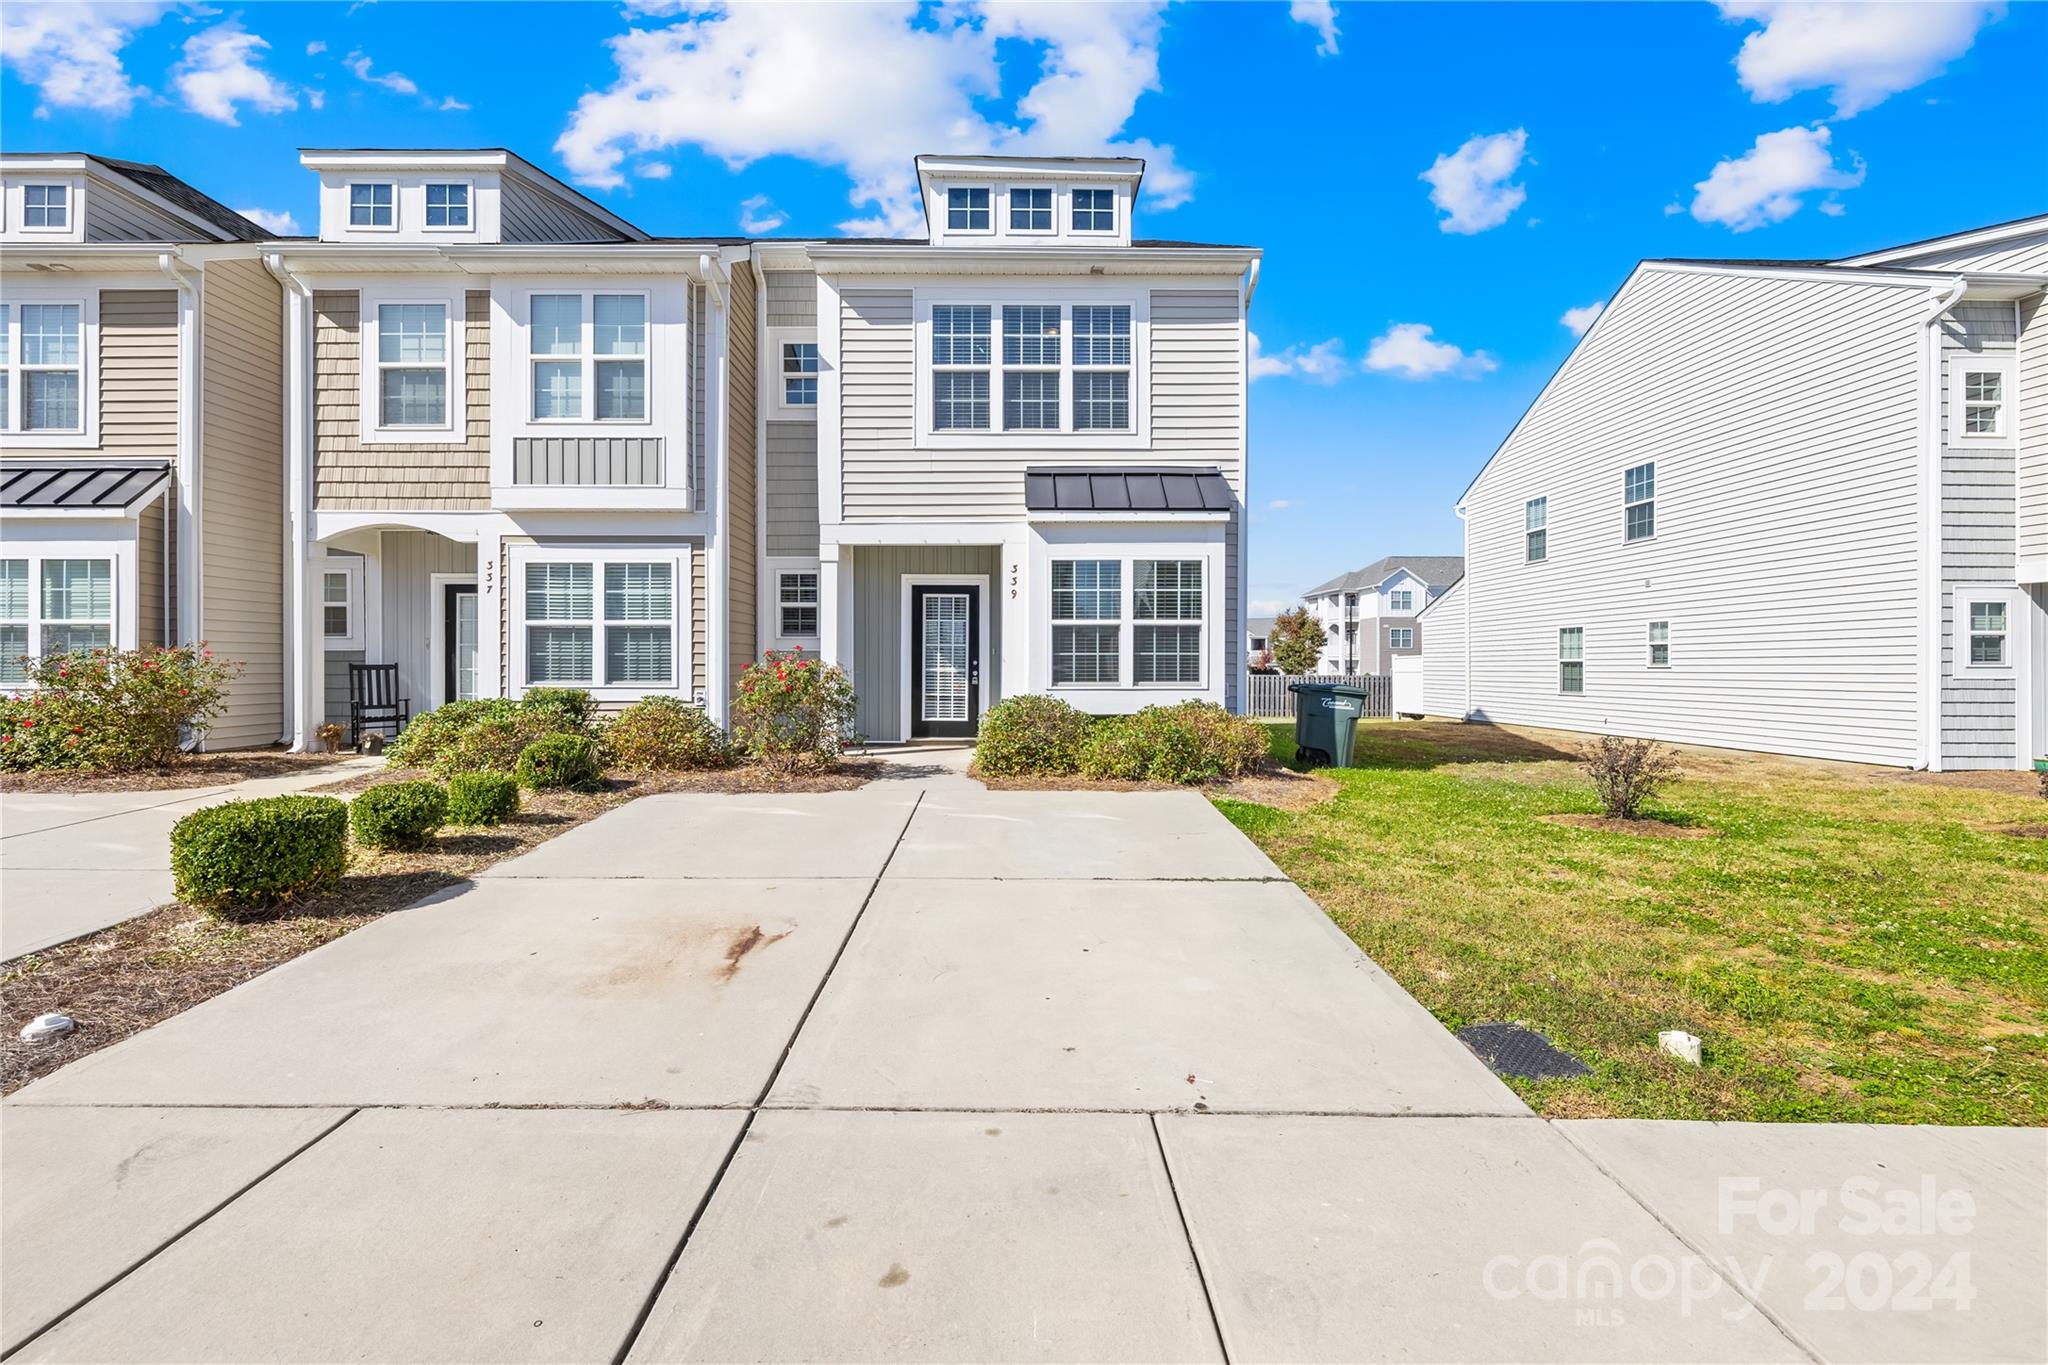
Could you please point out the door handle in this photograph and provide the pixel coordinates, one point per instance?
(974, 673)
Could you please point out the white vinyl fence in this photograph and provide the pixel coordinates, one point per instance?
(1268, 694)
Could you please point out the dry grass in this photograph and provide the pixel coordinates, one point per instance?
(192, 770)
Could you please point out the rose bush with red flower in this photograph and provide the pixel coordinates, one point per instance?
(111, 709)
(795, 712)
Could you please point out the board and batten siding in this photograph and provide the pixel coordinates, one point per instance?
(241, 494)
(1979, 714)
(873, 653)
(1782, 414)
(1441, 637)
(791, 489)
(407, 562)
(351, 476)
(742, 590)
(2031, 472)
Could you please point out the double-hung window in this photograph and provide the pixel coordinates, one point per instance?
(967, 209)
(448, 205)
(1087, 621)
(1988, 633)
(42, 367)
(1031, 209)
(1639, 502)
(1660, 644)
(53, 606)
(1095, 210)
(1571, 659)
(1166, 604)
(46, 207)
(372, 205)
(1984, 402)
(1102, 367)
(1401, 600)
(961, 355)
(1401, 637)
(800, 374)
(1535, 530)
(14, 620)
(1031, 367)
(605, 358)
(599, 623)
(796, 598)
(413, 362)
(337, 605)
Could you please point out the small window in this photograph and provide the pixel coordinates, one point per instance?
(372, 206)
(1988, 633)
(1095, 210)
(1984, 403)
(1087, 614)
(967, 210)
(1639, 502)
(800, 374)
(1401, 637)
(797, 599)
(1401, 601)
(1166, 642)
(1535, 532)
(1031, 210)
(1571, 659)
(412, 364)
(448, 206)
(1660, 644)
(46, 207)
(337, 610)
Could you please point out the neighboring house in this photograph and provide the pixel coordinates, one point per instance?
(1797, 506)
(1258, 636)
(1369, 616)
(141, 490)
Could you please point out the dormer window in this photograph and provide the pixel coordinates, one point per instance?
(1031, 210)
(448, 206)
(1095, 210)
(373, 206)
(46, 207)
(967, 210)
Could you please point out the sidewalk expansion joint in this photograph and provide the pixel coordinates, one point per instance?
(1188, 1234)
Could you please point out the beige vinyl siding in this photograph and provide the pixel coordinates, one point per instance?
(1782, 414)
(1979, 712)
(742, 576)
(350, 476)
(1440, 634)
(241, 494)
(112, 216)
(2032, 467)
(528, 213)
(792, 298)
(792, 489)
(152, 573)
(139, 373)
(873, 653)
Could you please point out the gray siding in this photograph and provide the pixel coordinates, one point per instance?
(792, 298)
(2021, 255)
(872, 578)
(698, 391)
(111, 216)
(527, 213)
(408, 559)
(2032, 471)
(336, 674)
(881, 473)
(587, 461)
(742, 592)
(791, 488)
(1197, 356)
(1979, 714)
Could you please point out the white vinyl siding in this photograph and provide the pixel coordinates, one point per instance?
(1443, 654)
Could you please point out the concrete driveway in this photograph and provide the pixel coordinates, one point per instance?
(921, 1072)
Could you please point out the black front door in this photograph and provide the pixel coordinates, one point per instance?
(945, 661)
(458, 643)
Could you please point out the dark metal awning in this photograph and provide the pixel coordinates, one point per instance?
(79, 486)
(1126, 490)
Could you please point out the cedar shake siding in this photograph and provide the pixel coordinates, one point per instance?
(742, 370)
(350, 476)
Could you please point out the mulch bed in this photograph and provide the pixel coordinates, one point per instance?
(192, 770)
(746, 777)
(1648, 829)
(1273, 786)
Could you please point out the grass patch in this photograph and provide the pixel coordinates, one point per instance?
(1852, 944)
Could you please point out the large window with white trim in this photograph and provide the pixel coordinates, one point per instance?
(603, 621)
(42, 367)
(1010, 367)
(1087, 615)
(588, 353)
(53, 605)
(414, 361)
(1166, 606)
(962, 351)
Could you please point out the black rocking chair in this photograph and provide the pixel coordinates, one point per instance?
(373, 701)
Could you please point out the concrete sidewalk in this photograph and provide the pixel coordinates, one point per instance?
(925, 1072)
(73, 863)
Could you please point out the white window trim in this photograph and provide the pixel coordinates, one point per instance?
(456, 430)
(588, 357)
(87, 435)
(1960, 366)
(1961, 596)
(1395, 608)
(350, 566)
(1127, 620)
(1134, 437)
(1626, 505)
(995, 205)
(777, 409)
(1650, 645)
(1408, 631)
(71, 207)
(938, 580)
(348, 214)
(680, 655)
(1058, 203)
(119, 551)
(776, 568)
(469, 207)
(1121, 622)
(1562, 690)
(1528, 530)
(1118, 208)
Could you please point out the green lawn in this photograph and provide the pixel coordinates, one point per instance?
(1851, 944)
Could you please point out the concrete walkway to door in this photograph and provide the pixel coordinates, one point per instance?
(923, 1072)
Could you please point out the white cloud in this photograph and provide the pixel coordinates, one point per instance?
(1833, 208)
(1471, 184)
(1862, 53)
(220, 72)
(1408, 350)
(759, 215)
(1279, 505)
(315, 48)
(1321, 16)
(450, 104)
(390, 80)
(1764, 184)
(654, 170)
(1579, 319)
(71, 53)
(745, 82)
(1322, 363)
(274, 220)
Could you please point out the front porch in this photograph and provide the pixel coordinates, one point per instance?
(399, 596)
(922, 637)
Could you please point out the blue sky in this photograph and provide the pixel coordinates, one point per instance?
(1435, 186)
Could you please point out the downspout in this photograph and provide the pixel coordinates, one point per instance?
(1242, 644)
(1939, 301)
(299, 658)
(718, 577)
(759, 379)
(185, 507)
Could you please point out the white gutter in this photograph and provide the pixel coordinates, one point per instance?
(302, 661)
(1939, 301)
(190, 622)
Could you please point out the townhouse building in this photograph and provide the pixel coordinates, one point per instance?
(1370, 616)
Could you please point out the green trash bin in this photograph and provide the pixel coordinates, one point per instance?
(1326, 720)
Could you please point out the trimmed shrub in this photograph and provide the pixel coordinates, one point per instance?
(482, 798)
(795, 713)
(245, 856)
(573, 702)
(112, 709)
(1190, 742)
(1627, 772)
(665, 733)
(429, 735)
(570, 761)
(1030, 736)
(399, 814)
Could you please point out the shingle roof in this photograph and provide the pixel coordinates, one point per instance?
(1126, 490)
(1436, 571)
(166, 186)
(77, 486)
